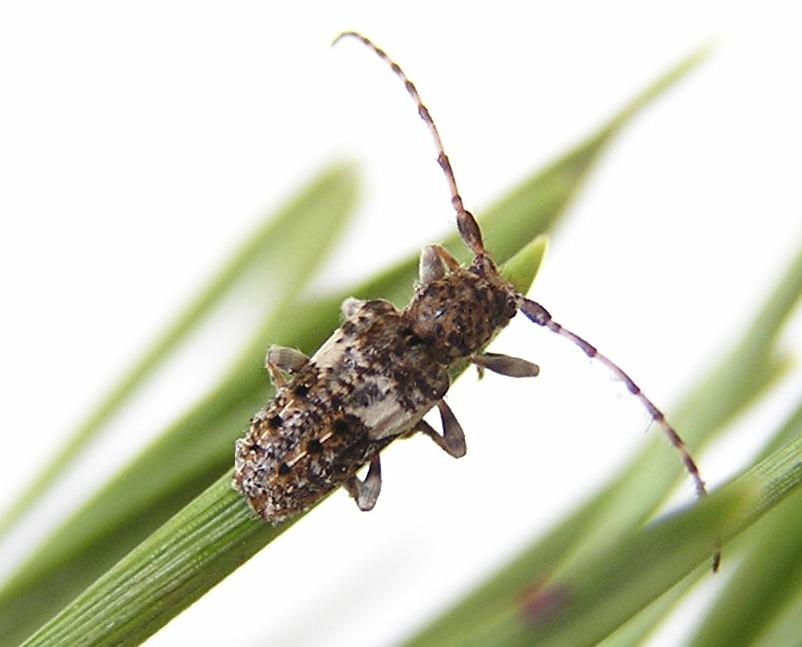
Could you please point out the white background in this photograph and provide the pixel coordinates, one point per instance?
(139, 142)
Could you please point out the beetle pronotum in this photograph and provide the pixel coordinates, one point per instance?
(377, 375)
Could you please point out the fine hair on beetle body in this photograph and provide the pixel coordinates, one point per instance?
(378, 374)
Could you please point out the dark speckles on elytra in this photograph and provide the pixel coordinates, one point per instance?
(340, 426)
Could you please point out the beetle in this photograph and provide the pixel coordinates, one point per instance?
(383, 369)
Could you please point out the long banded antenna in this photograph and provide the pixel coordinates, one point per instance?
(466, 223)
(539, 315)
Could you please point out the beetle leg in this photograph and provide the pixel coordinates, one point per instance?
(505, 365)
(435, 262)
(366, 492)
(350, 306)
(452, 440)
(280, 360)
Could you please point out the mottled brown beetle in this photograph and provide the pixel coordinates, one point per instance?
(374, 379)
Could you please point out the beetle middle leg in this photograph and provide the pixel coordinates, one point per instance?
(452, 440)
(280, 360)
(366, 492)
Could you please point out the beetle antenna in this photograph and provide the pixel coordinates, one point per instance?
(538, 314)
(466, 223)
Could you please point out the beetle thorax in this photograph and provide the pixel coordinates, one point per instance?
(457, 315)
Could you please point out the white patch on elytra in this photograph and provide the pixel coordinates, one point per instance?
(331, 352)
(385, 416)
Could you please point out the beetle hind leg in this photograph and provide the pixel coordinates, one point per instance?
(366, 492)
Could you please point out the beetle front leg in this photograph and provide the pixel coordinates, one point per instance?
(452, 440)
(435, 262)
(280, 360)
(366, 492)
(349, 307)
(504, 365)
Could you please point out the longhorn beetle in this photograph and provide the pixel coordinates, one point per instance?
(377, 375)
